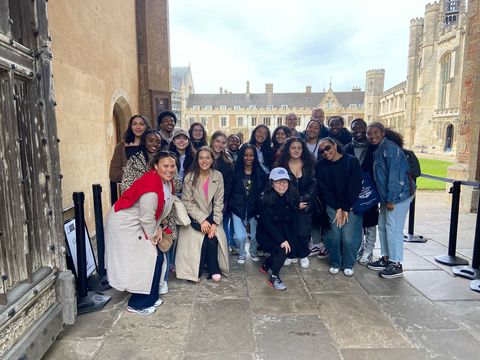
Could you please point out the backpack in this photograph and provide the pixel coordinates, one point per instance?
(413, 163)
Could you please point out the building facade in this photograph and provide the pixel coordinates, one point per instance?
(425, 107)
(240, 113)
(70, 78)
(182, 87)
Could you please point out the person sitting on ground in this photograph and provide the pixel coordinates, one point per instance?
(337, 131)
(279, 136)
(248, 184)
(166, 122)
(233, 143)
(198, 135)
(363, 151)
(396, 189)
(277, 228)
(133, 229)
(262, 140)
(339, 180)
(300, 165)
(203, 242)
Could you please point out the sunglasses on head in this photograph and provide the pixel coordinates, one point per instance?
(326, 148)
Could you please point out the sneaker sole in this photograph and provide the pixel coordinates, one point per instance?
(271, 285)
(394, 276)
(376, 268)
(133, 311)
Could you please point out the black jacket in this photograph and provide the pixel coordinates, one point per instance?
(239, 203)
(306, 186)
(339, 182)
(367, 163)
(344, 136)
(276, 223)
(226, 170)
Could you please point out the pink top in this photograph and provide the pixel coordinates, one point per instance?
(205, 188)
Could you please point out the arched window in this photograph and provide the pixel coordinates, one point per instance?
(448, 137)
(445, 69)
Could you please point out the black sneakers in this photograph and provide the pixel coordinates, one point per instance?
(380, 264)
(392, 271)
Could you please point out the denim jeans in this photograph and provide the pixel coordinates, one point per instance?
(390, 229)
(240, 235)
(343, 243)
(368, 241)
(228, 228)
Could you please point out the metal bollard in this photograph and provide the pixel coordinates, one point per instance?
(451, 259)
(78, 201)
(411, 236)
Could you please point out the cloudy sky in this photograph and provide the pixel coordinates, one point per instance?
(291, 44)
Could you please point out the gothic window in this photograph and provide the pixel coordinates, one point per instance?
(451, 9)
(445, 64)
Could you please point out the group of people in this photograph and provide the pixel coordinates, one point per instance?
(283, 196)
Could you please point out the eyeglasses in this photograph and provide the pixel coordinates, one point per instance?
(325, 149)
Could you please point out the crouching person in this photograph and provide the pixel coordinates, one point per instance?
(203, 243)
(277, 228)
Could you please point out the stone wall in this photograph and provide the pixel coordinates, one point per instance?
(94, 49)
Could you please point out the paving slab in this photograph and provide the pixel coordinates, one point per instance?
(219, 356)
(439, 285)
(159, 336)
(232, 287)
(431, 247)
(355, 321)
(293, 337)
(415, 313)
(466, 313)
(221, 326)
(446, 344)
(383, 354)
(413, 261)
(374, 285)
(319, 280)
(266, 300)
(84, 349)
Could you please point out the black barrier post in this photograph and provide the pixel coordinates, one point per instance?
(99, 282)
(472, 272)
(451, 259)
(87, 301)
(411, 236)
(78, 201)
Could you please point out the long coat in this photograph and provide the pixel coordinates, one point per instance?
(129, 256)
(189, 245)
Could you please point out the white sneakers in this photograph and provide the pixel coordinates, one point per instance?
(304, 262)
(348, 272)
(333, 270)
(163, 288)
(147, 311)
(289, 261)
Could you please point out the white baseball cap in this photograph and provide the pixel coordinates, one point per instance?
(279, 173)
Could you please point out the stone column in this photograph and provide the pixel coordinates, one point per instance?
(153, 57)
(468, 145)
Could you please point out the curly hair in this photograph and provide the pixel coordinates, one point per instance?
(307, 157)
(287, 132)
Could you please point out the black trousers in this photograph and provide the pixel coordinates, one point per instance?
(209, 256)
(275, 261)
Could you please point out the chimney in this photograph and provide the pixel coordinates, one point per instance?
(269, 88)
(248, 87)
(221, 90)
(308, 89)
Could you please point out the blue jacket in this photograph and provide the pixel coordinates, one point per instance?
(391, 173)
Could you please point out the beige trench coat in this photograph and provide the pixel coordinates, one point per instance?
(189, 245)
(129, 256)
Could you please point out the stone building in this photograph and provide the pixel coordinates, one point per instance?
(69, 82)
(240, 113)
(182, 87)
(425, 107)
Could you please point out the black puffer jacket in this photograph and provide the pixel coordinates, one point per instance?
(239, 202)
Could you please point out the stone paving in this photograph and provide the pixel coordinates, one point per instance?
(429, 314)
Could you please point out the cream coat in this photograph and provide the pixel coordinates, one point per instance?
(189, 245)
(129, 256)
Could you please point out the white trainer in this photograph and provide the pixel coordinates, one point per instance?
(348, 272)
(163, 288)
(333, 270)
(148, 311)
(289, 261)
(158, 303)
(304, 263)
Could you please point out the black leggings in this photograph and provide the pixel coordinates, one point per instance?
(275, 261)
(209, 256)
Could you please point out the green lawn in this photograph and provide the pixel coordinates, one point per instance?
(432, 167)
